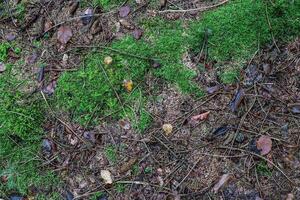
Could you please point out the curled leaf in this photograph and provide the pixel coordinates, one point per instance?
(106, 176)
(128, 84)
(264, 144)
(64, 34)
(201, 117)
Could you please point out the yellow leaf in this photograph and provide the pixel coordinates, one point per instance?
(168, 128)
(108, 60)
(128, 84)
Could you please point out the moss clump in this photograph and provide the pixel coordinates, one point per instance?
(20, 135)
(239, 27)
(96, 89)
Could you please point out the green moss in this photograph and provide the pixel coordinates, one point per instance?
(239, 27)
(263, 169)
(230, 76)
(20, 135)
(4, 46)
(96, 90)
(111, 154)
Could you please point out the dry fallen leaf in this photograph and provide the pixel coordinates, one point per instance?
(200, 117)
(264, 143)
(125, 124)
(48, 25)
(128, 84)
(106, 176)
(10, 36)
(124, 11)
(126, 24)
(137, 33)
(223, 180)
(168, 128)
(108, 60)
(2, 67)
(64, 34)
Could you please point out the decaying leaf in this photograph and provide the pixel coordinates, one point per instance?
(88, 15)
(50, 88)
(48, 25)
(264, 144)
(125, 124)
(10, 36)
(96, 27)
(2, 67)
(124, 11)
(126, 24)
(64, 34)
(31, 59)
(223, 180)
(106, 176)
(137, 33)
(128, 165)
(236, 100)
(108, 60)
(168, 128)
(128, 85)
(213, 89)
(200, 117)
(221, 131)
(90, 136)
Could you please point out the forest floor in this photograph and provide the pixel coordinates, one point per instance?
(149, 99)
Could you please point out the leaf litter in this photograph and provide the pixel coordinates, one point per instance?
(187, 144)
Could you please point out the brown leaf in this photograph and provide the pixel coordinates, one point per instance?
(137, 33)
(127, 166)
(125, 124)
(264, 143)
(64, 34)
(31, 59)
(50, 88)
(223, 180)
(48, 25)
(10, 36)
(126, 24)
(124, 11)
(2, 67)
(200, 117)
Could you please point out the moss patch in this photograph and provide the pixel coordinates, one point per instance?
(241, 26)
(20, 134)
